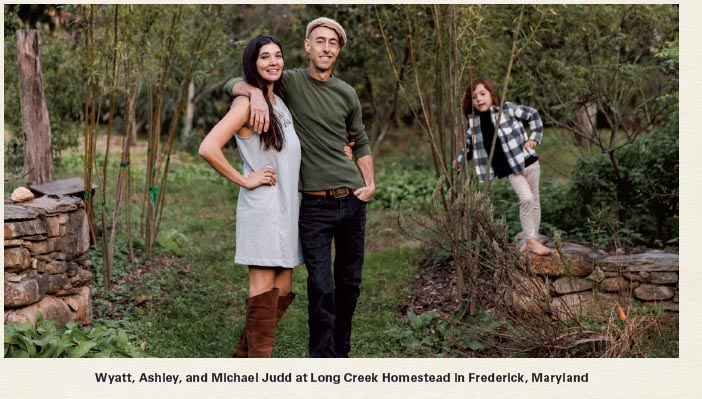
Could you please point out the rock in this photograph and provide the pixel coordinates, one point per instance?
(73, 269)
(528, 294)
(17, 259)
(651, 261)
(56, 267)
(53, 225)
(525, 303)
(650, 292)
(47, 205)
(558, 265)
(70, 291)
(669, 306)
(32, 227)
(572, 248)
(47, 257)
(13, 243)
(43, 283)
(641, 277)
(663, 278)
(597, 275)
(19, 212)
(82, 278)
(82, 305)
(568, 285)
(616, 284)
(22, 194)
(45, 246)
(52, 308)
(676, 298)
(17, 316)
(21, 293)
(585, 305)
(76, 241)
(14, 278)
(57, 282)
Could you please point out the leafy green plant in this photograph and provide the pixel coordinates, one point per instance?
(44, 341)
(173, 241)
(451, 336)
(411, 186)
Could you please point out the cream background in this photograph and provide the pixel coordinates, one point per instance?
(609, 378)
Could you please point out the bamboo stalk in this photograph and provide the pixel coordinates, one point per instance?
(154, 134)
(88, 148)
(194, 60)
(108, 249)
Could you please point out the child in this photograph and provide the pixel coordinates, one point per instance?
(514, 154)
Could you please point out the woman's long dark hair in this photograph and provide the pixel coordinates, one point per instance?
(468, 96)
(273, 137)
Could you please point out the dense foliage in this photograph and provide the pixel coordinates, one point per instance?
(24, 340)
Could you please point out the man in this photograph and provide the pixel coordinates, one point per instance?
(326, 114)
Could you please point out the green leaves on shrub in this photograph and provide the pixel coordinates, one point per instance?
(413, 186)
(44, 341)
(639, 210)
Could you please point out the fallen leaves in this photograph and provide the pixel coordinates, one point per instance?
(144, 299)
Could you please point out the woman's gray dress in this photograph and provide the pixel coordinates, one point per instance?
(266, 217)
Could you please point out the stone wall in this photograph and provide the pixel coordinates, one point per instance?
(46, 261)
(580, 281)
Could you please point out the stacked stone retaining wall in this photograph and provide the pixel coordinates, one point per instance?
(580, 281)
(46, 268)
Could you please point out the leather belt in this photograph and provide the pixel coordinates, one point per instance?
(337, 193)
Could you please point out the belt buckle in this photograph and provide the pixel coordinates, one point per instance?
(340, 192)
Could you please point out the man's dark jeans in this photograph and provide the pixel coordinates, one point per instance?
(332, 299)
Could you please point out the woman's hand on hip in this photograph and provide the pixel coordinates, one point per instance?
(530, 145)
(265, 176)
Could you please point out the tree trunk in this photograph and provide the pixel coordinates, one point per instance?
(189, 113)
(587, 123)
(38, 158)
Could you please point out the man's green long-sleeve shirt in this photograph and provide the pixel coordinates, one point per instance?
(326, 116)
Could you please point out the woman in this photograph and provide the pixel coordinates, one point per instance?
(268, 206)
(514, 154)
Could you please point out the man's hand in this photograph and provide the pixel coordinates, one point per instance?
(365, 164)
(259, 118)
(365, 193)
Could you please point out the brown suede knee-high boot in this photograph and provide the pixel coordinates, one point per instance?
(242, 347)
(283, 304)
(261, 319)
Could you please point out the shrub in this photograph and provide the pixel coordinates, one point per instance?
(649, 216)
(23, 340)
(413, 186)
(589, 208)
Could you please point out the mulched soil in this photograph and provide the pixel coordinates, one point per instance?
(434, 287)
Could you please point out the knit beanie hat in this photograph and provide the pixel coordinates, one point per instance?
(327, 23)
